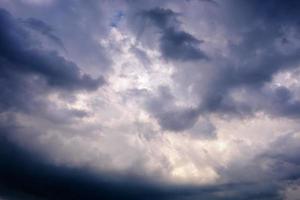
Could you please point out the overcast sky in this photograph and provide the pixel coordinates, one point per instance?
(148, 99)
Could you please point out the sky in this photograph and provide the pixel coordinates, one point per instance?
(148, 99)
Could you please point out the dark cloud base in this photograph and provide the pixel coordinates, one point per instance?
(26, 175)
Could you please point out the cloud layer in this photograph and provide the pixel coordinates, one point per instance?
(149, 100)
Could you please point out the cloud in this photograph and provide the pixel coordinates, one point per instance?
(200, 101)
(25, 65)
(175, 44)
(44, 29)
(252, 63)
(169, 116)
(40, 180)
(57, 71)
(162, 18)
(179, 45)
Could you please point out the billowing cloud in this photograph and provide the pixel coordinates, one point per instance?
(57, 71)
(149, 100)
(175, 43)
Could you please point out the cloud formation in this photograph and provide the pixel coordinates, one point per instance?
(149, 100)
(175, 43)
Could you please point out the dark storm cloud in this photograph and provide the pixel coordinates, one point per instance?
(29, 72)
(252, 64)
(254, 61)
(282, 102)
(179, 45)
(44, 29)
(23, 57)
(26, 175)
(251, 76)
(175, 43)
(276, 10)
(162, 18)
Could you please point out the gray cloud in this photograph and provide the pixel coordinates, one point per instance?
(253, 62)
(175, 43)
(179, 45)
(58, 72)
(44, 29)
(229, 75)
(170, 116)
(40, 180)
(249, 73)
